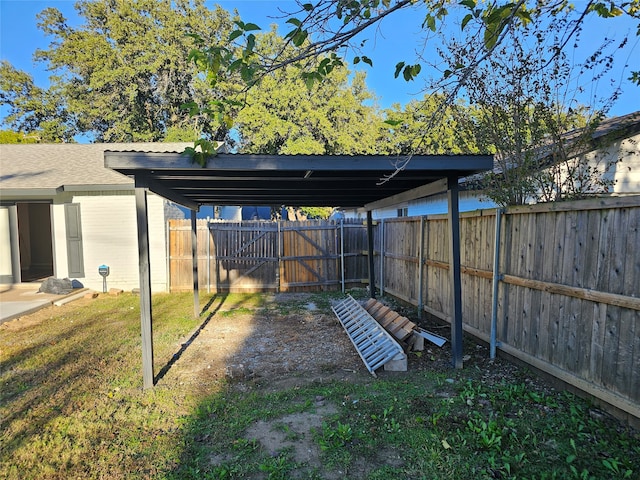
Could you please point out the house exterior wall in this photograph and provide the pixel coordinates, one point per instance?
(437, 204)
(618, 162)
(109, 237)
(626, 171)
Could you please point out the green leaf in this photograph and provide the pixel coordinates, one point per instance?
(524, 16)
(191, 107)
(356, 60)
(466, 20)
(430, 23)
(294, 21)
(393, 123)
(235, 34)
(235, 65)
(325, 67)
(471, 4)
(246, 73)
(309, 80)
(308, 7)
(606, 12)
(299, 38)
(399, 67)
(251, 26)
(251, 43)
(367, 60)
(491, 36)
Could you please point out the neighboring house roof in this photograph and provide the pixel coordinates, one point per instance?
(608, 131)
(48, 169)
(613, 128)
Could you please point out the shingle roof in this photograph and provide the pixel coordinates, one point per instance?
(53, 166)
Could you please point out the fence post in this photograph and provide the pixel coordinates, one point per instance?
(278, 255)
(496, 280)
(420, 264)
(167, 242)
(372, 275)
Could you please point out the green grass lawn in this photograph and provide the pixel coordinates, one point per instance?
(72, 406)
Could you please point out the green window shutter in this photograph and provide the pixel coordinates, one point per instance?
(74, 240)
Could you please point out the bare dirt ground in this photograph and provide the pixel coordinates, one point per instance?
(267, 349)
(265, 346)
(284, 343)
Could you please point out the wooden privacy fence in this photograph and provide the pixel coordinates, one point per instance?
(567, 295)
(267, 255)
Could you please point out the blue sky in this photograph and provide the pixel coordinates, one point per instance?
(397, 39)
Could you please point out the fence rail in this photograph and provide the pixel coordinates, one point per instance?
(566, 298)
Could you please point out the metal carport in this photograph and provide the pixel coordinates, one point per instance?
(367, 181)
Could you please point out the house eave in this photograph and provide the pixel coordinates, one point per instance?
(100, 188)
(21, 193)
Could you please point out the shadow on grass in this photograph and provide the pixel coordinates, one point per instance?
(183, 348)
(41, 382)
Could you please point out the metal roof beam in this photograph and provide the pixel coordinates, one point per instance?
(429, 189)
(145, 181)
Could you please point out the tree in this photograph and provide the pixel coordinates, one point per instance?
(524, 104)
(123, 75)
(322, 28)
(406, 133)
(284, 116)
(32, 110)
(7, 136)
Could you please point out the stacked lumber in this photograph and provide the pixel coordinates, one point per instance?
(401, 328)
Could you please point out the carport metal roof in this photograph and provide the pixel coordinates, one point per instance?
(296, 180)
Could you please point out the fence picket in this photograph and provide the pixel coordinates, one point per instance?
(568, 296)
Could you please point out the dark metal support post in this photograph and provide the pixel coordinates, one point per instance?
(382, 250)
(454, 270)
(145, 287)
(372, 275)
(194, 257)
(342, 254)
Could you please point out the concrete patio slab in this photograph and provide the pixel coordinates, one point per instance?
(20, 300)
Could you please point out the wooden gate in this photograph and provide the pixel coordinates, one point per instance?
(310, 256)
(244, 257)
